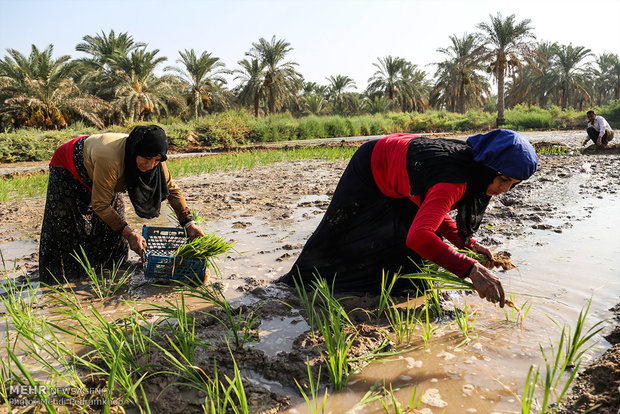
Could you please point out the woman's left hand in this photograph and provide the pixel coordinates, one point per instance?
(479, 248)
(193, 231)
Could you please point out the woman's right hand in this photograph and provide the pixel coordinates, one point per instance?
(487, 284)
(137, 243)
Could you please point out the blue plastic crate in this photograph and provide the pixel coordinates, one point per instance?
(161, 243)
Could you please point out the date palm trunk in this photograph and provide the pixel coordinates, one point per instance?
(500, 99)
(462, 98)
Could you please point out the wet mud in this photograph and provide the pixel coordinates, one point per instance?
(277, 208)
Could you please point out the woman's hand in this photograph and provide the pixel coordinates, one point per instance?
(193, 231)
(137, 243)
(487, 284)
(479, 248)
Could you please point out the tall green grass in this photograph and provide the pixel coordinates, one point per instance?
(234, 127)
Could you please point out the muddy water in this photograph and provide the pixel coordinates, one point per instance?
(557, 274)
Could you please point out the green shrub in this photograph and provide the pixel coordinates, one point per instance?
(399, 120)
(336, 126)
(224, 129)
(528, 118)
(355, 126)
(311, 127)
(611, 112)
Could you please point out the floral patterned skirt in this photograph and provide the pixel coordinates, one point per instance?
(70, 225)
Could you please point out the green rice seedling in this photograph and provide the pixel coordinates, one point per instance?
(62, 300)
(306, 302)
(240, 326)
(39, 388)
(461, 318)
(397, 405)
(109, 354)
(20, 304)
(205, 248)
(240, 406)
(327, 301)
(566, 356)
(552, 150)
(528, 401)
(215, 402)
(442, 279)
(427, 328)
(188, 374)
(437, 309)
(22, 186)
(6, 380)
(196, 217)
(403, 323)
(375, 393)
(51, 356)
(386, 291)
(313, 401)
(104, 283)
(553, 374)
(576, 340)
(182, 328)
(338, 344)
(517, 314)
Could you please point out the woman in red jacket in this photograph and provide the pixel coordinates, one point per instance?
(391, 207)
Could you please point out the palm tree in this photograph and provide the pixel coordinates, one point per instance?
(337, 91)
(535, 83)
(139, 92)
(97, 71)
(376, 104)
(400, 82)
(384, 81)
(414, 89)
(568, 73)
(38, 91)
(104, 47)
(445, 92)
(459, 76)
(200, 77)
(315, 104)
(313, 88)
(251, 89)
(607, 78)
(280, 79)
(505, 44)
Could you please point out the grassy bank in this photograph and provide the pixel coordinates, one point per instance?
(235, 128)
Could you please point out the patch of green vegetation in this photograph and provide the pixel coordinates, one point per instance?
(553, 150)
(237, 127)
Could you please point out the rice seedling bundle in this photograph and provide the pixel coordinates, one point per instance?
(205, 248)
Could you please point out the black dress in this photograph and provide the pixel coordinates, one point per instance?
(362, 234)
(69, 223)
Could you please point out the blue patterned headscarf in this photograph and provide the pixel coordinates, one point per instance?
(506, 152)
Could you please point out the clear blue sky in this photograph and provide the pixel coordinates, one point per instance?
(328, 37)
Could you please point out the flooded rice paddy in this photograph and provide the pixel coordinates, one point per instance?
(561, 228)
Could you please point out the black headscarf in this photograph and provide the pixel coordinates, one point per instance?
(432, 161)
(146, 189)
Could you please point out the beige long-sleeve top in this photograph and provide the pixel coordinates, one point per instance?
(104, 160)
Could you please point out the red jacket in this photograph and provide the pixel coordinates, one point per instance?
(389, 169)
